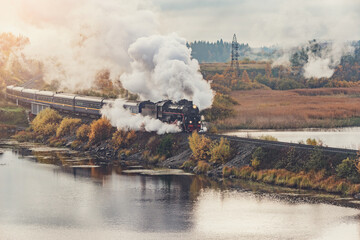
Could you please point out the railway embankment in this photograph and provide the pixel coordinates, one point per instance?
(219, 157)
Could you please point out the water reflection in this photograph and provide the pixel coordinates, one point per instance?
(52, 201)
(334, 137)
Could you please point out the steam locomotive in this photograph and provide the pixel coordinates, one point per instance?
(183, 113)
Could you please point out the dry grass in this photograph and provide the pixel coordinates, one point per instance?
(302, 180)
(295, 108)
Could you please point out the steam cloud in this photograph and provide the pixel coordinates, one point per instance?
(324, 65)
(122, 118)
(75, 40)
(162, 68)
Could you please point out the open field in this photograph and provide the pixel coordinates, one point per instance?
(263, 109)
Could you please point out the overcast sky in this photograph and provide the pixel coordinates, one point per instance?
(261, 22)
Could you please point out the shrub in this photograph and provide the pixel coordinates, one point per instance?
(220, 151)
(152, 159)
(347, 169)
(222, 107)
(165, 146)
(24, 136)
(313, 142)
(244, 172)
(75, 144)
(212, 129)
(82, 134)
(122, 138)
(46, 122)
(257, 156)
(255, 163)
(199, 146)
(100, 130)
(152, 144)
(187, 165)
(203, 167)
(67, 126)
(268, 138)
(316, 161)
(230, 171)
(56, 142)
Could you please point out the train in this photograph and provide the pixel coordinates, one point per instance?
(182, 113)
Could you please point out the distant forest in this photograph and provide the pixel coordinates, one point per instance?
(219, 51)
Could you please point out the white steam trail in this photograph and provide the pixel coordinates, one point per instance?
(123, 119)
(324, 66)
(74, 40)
(162, 68)
(320, 65)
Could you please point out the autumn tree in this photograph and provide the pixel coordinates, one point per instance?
(83, 132)
(220, 151)
(199, 146)
(46, 122)
(102, 80)
(68, 126)
(122, 138)
(100, 130)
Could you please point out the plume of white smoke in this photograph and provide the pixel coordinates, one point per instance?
(74, 40)
(283, 60)
(162, 68)
(324, 64)
(124, 119)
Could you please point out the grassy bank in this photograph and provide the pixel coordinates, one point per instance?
(11, 115)
(302, 180)
(216, 157)
(311, 169)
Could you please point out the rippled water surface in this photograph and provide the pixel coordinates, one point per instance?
(45, 201)
(335, 137)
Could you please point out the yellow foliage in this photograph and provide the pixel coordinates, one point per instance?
(83, 132)
(313, 142)
(122, 138)
(268, 138)
(255, 163)
(100, 130)
(220, 151)
(67, 126)
(46, 122)
(203, 167)
(199, 146)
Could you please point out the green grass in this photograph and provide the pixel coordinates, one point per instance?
(13, 115)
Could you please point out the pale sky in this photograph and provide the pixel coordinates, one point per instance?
(261, 22)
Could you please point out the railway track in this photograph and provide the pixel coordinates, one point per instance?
(284, 144)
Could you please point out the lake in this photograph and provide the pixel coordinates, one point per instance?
(334, 137)
(45, 201)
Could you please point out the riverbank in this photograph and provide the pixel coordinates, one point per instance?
(77, 163)
(68, 202)
(202, 154)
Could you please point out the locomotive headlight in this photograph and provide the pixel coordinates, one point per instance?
(199, 122)
(190, 121)
(194, 106)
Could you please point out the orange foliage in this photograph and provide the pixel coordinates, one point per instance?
(83, 132)
(100, 130)
(122, 138)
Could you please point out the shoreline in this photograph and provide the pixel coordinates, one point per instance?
(293, 195)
